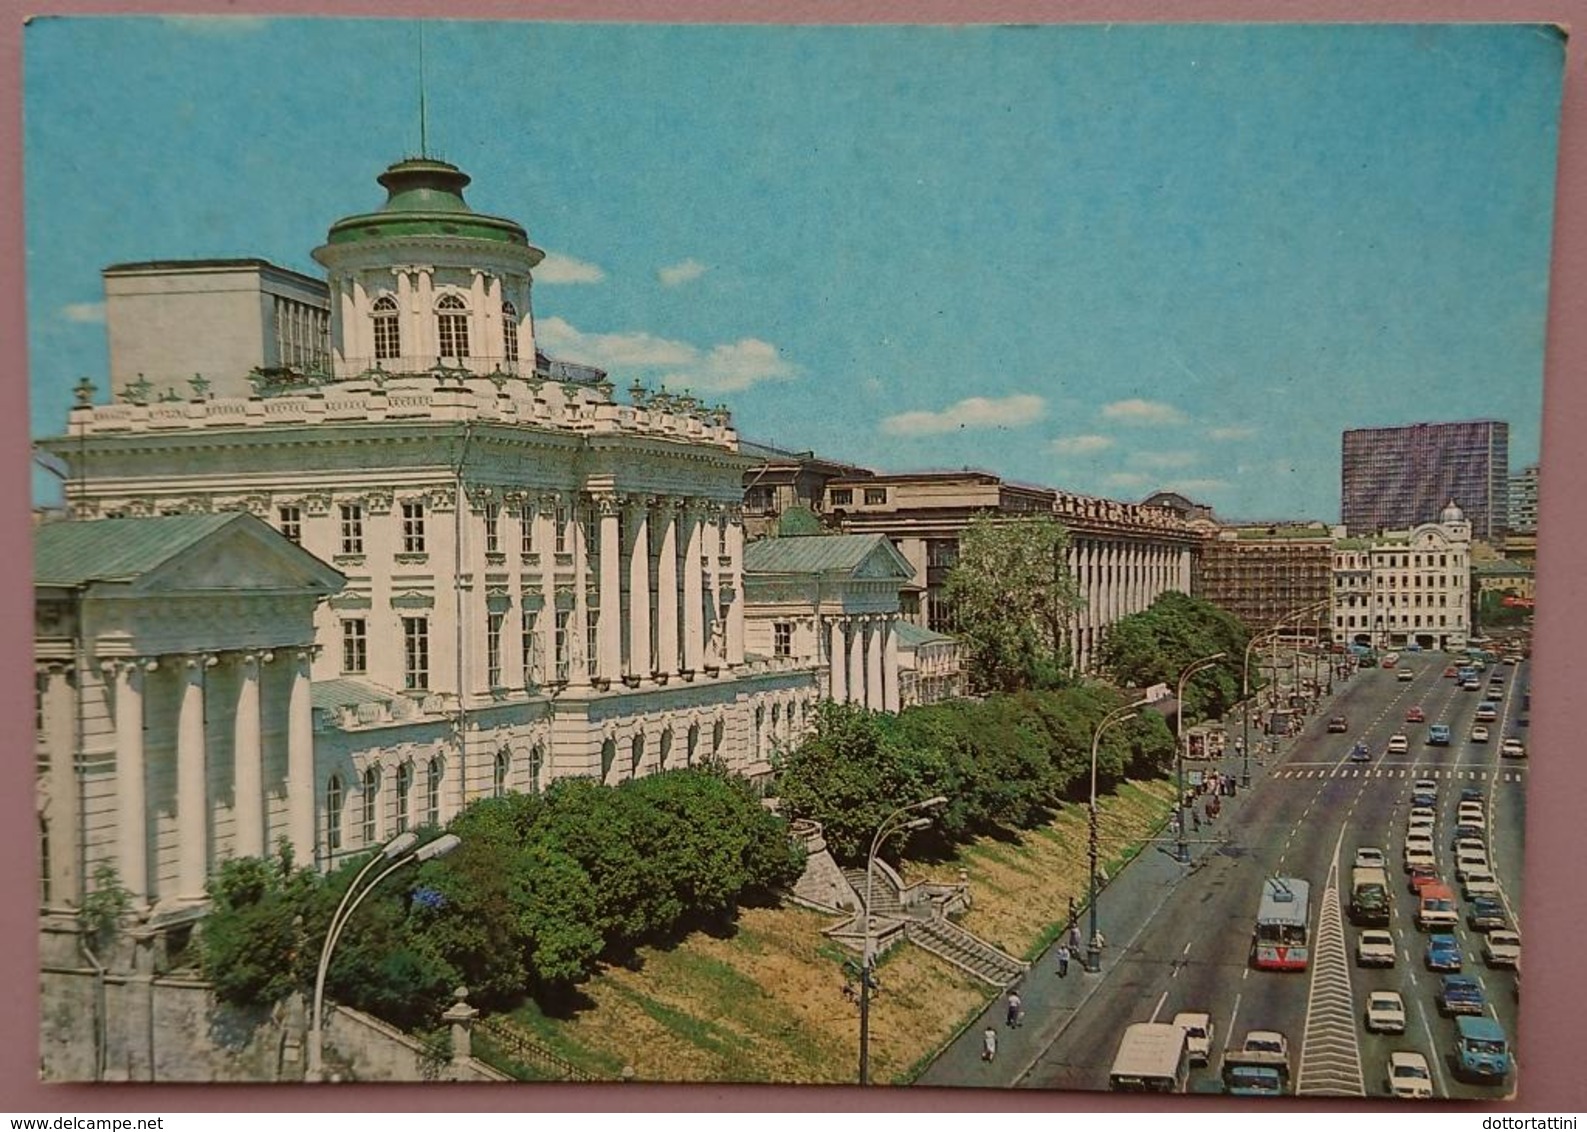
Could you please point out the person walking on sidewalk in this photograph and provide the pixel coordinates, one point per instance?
(1015, 1009)
(988, 1044)
(1074, 939)
(1063, 960)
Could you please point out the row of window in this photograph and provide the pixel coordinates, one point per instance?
(303, 334)
(1389, 561)
(1350, 601)
(416, 647)
(451, 328)
(1406, 620)
(844, 496)
(1404, 581)
(369, 823)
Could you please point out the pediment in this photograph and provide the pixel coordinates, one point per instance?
(884, 563)
(243, 556)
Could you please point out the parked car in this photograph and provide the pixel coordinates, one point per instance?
(1385, 1012)
(1502, 948)
(1438, 735)
(1408, 1076)
(1375, 948)
(1461, 994)
(1443, 953)
(1486, 915)
(1338, 724)
(1512, 748)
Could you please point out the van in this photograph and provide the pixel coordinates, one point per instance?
(1482, 1053)
(1153, 1057)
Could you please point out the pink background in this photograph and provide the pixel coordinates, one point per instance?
(1552, 1077)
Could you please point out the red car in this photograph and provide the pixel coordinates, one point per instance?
(1415, 715)
(1421, 877)
(1451, 672)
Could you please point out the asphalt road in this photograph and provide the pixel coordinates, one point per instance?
(1305, 817)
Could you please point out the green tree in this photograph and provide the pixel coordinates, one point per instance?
(1012, 598)
(1155, 646)
(252, 943)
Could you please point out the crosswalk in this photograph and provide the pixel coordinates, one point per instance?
(1452, 774)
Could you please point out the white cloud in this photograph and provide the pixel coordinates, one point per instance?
(565, 269)
(1231, 432)
(685, 272)
(1194, 486)
(1181, 459)
(1080, 445)
(218, 25)
(83, 312)
(1126, 479)
(973, 412)
(721, 369)
(1137, 411)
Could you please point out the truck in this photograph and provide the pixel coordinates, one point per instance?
(1260, 1067)
(1369, 896)
(1153, 1057)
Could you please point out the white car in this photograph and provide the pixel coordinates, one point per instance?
(1385, 1012)
(1409, 1075)
(1198, 1029)
(1478, 882)
(1417, 839)
(1375, 948)
(1399, 745)
(1512, 748)
(1471, 865)
(1479, 733)
(1369, 857)
(1471, 810)
(1502, 948)
(1420, 857)
(1470, 845)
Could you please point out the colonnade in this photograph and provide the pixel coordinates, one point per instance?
(193, 807)
(862, 660)
(1117, 577)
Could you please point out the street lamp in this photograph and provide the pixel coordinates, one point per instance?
(1271, 636)
(1093, 955)
(1195, 666)
(891, 824)
(399, 850)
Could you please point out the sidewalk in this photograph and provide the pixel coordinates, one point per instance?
(1125, 907)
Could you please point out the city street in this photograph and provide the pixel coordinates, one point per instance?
(1304, 816)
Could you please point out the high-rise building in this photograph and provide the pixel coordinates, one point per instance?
(1523, 500)
(1397, 478)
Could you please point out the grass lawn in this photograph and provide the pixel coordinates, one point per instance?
(767, 1003)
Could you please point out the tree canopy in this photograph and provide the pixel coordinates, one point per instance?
(1157, 644)
(1012, 596)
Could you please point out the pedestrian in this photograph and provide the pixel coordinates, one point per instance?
(1063, 960)
(1074, 939)
(1014, 1009)
(1195, 820)
(988, 1044)
(1098, 942)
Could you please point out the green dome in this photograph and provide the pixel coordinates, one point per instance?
(424, 197)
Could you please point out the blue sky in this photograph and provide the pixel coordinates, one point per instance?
(1107, 259)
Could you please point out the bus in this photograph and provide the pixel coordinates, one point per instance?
(1153, 1057)
(1281, 941)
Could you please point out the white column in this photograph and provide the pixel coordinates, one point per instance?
(247, 768)
(856, 661)
(300, 759)
(609, 631)
(639, 663)
(837, 662)
(890, 666)
(667, 591)
(735, 612)
(422, 322)
(546, 622)
(192, 814)
(132, 815)
(578, 631)
(712, 546)
(693, 596)
(874, 698)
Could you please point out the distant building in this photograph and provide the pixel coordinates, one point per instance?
(1404, 587)
(783, 481)
(929, 668)
(1181, 505)
(1523, 501)
(1398, 478)
(1263, 574)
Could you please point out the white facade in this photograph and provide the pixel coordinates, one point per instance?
(1405, 587)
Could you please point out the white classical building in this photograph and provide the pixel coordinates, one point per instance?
(1405, 587)
(541, 582)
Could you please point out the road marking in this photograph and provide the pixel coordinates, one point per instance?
(1158, 1008)
(1330, 1055)
(1435, 1061)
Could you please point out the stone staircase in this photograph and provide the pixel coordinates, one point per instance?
(970, 953)
(884, 896)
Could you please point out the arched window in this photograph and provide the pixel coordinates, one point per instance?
(451, 325)
(388, 339)
(333, 814)
(503, 764)
(404, 792)
(432, 793)
(371, 815)
(509, 332)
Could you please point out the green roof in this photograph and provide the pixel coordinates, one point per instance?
(72, 553)
(809, 554)
(328, 694)
(911, 635)
(424, 197)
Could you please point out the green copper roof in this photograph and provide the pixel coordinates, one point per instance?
(424, 197)
(71, 553)
(912, 636)
(809, 554)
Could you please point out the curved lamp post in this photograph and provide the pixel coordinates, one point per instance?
(891, 824)
(1093, 955)
(1182, 851)
(400, 852)
(1245, 681)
